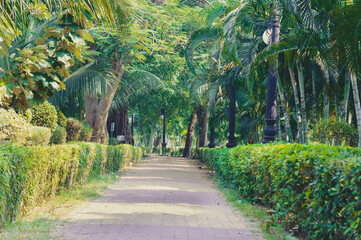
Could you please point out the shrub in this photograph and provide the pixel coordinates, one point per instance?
(73, 128)
(85, 133)
(115, 141)
(31, 175)
(334, 133)
(40, 136)
(62, 121)
(59, 136)
(14, 129)
(315, 188)
(28, 115)
(44, 115)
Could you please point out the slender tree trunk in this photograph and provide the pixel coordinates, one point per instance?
(356, 98)
(278, 125)
(190, 135)
(303, 102)
(297, 105)
(346, 98)
(326, 105)
(97, 111)
(314, 116)
(287, 119)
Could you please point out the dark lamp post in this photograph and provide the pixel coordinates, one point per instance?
(271, 106)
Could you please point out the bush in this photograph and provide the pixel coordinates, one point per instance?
(31, 175)
(59, 136)
(315, 188)
(62, 121)
(40, 136)
(28, 115)
(334, 133)
(115, 141)
(44, 115)
(85, 133)
(14, 129)
(73, 128)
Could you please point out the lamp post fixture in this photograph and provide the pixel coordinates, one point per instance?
(164, 144)
(232, 119)
(271, 107)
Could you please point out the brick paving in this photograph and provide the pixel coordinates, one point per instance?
(163, 198)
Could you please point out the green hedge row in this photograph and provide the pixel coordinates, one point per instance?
(29, 175)
(313, 188)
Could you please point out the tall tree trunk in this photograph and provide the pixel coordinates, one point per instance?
(314, 116)
(326, 105)
(202, 115)
(97, 110)
(303, 102)
(346, 98)
(285, 112)
(190, 135)
(356, 98)
(278, 125)
(297, 105)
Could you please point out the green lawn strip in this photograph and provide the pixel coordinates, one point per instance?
(271, 229)
(38, 223)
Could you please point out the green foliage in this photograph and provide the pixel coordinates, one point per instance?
(85, 133)
(59, 136)
(334, 133)
(115, 141)
(62, 121)
(44, 115)
(40, 136)
(73, 128)
(314, 188)
(28, 115)
(14, 129)
(30, 175)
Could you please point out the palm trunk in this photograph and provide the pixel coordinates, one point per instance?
(279, 130)
(346, 97)
(202, 115)
(314, 104)
(303, 103)
(97, 111)
(356, 98)
(287, 119)
(297, 105)
(190, 135)
(326, 105)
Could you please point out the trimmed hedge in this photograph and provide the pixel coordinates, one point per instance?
(315, 188)
(73, 128)
(59, 136)
(44, 115)
(29, 175)
(40, 137)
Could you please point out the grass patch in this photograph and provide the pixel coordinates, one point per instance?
(271, 229)
(38, 223)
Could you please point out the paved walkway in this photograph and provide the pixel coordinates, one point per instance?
(163, 198)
